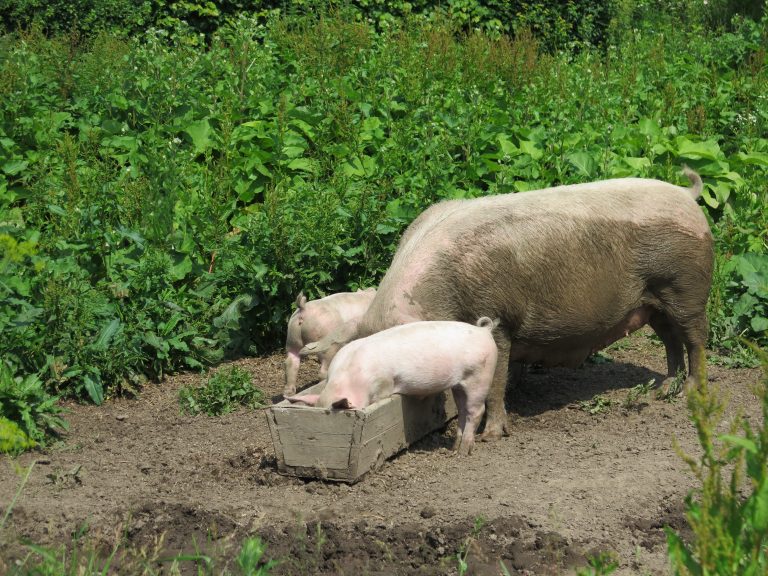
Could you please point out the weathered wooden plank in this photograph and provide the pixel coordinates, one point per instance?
(346, 444)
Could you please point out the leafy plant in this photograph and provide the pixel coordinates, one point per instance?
(730, 530)
(746, 297)
(634, 395)
(28, 414)
(463, 553)
(222, 393)
(598, 404)
(13, 440)
(250, 557)
(674, 389)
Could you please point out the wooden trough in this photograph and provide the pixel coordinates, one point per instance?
(343, 445)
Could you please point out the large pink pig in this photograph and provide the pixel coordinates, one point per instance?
(567, 270)
(416, 359)
(312, 320)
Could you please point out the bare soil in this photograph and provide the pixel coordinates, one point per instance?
(564, 485)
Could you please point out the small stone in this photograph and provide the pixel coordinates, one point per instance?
(121, 417)
(428, 512)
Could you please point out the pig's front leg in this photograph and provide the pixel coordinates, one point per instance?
(292, 361)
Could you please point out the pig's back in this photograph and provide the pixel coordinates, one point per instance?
(427, 356)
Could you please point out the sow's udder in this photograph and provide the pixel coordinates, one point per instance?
(572, 351)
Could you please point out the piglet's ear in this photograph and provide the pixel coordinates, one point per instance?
(312, 348)
(308, 399)
(342, 404)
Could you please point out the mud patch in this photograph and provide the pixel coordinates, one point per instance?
(185, 529)
(328, 547)
(650, 531)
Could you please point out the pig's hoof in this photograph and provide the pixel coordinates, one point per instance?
(492, 434)
(670, 388)
(289, 392)
(494, 431)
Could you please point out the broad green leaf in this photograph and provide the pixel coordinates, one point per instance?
(638, 164)
(530, 148)
(759, 323)
(303, 164)
(385, 229)
(14, 167)
(202, 135)
(371, 129)
(106, 335)
(708, 149)
(708, 198)
(94, 388)
(153, 340)
(756, 158)
(583, 162)
(650, 128)
(523, 186)
(355, 166)
(230, 318)
(722, 191)
(178, 344)
(506, 146)
(179, 270)
(293, 151)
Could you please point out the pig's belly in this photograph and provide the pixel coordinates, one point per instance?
(572, 350)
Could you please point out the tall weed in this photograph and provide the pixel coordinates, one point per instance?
(728, 513)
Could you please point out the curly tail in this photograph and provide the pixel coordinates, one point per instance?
(696, 184)
(485, 322)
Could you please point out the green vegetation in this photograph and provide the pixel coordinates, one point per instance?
(28, 413)
(224, 392)
(598, 404)
(636, 394)
(559, 23)
(162, 201)
(728, 512)
(463, 552)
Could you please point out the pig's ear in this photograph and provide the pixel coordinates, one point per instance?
(311, 349)
(308, 399)
(342, 404)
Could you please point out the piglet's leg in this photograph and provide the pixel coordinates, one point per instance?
(471, 407)
(292, 361)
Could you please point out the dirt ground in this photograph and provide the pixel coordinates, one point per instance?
(564, 485)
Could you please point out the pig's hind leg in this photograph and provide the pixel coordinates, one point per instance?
(470, 407)
(683, 307)
(496, 420)
(673, 345)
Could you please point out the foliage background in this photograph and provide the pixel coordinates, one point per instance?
(169, 182)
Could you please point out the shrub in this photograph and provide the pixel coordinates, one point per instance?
(28, 414)
(222, 393)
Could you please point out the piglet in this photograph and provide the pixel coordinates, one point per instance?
(313, 320)
(416, 359)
